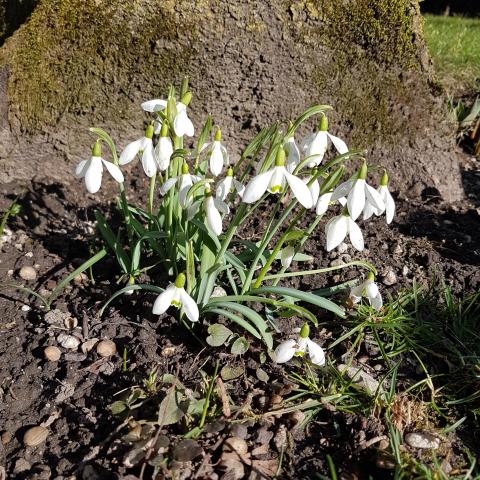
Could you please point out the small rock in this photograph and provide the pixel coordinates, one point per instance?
(68, 341)
(187, 450)
(80, 279)
(70, 322)
(296, 417)
(342, 248)
(89, 344)
(235, 444)
(35, 436)
(21, 465)
(75, 357)
(25, 308)
(219, 292)
(6, 437)
(422, 440)
(360, 378)
(389, 278)
(106, 348)
(337, 262)
(168, 351)
(28, 273)
(56, 317)
(405, 270)
(239, 430)
(397, 249)
(52, 353)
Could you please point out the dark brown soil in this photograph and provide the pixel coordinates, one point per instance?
(54, 234)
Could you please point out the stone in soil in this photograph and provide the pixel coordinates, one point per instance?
(28, 273)
(422, 440)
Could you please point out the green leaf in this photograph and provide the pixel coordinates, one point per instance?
(207, 127)
(112, 242)
(237, 264)
(314, 110)
(235, 319)
(190, 267)
(304, 297)
(230, 373)
(137, 250)
(173, 407)
(240, 346)
(117, 407)
(219, 335)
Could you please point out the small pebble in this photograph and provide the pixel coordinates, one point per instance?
(28, 273)
(6, 437)
(21, 465)
(337, 262)
(235, 444)
(89, 344)
(25, 308)
(70, 322)
(106, 348)
(80, 279)
(35, 436)
(29, 254)
(52, 353)
(68, 341)
(405, 270)
(389, 278)
(422, 440)
(342, 248)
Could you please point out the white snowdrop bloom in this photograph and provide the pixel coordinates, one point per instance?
(176, 295)
(323, 203)
(359, 194)
(316, 144)
(92, 170)
(218, 155)
(143, 146)
(155, 105)
(290, 348)
(388, 202)
(286, 256)
(182, 125)
(337, 229)
(212, 207)
(275, 180)
(164, 149)
(184, 181)
(368, 289)
(293, 154)
(228, 185)
(314, 188)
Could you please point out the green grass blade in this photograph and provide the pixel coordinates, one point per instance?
(236, 319)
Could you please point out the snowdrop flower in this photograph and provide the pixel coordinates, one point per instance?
(153, 106)
(92, 170)
(388, 202)
(286, 256)
(218, 156)
(323, 203)
(176, 295)
(212, 207)
(182, 125)
(164, 149)
(315, 145)
(359, 194)
(367, 289)
(143, 146)
(290, 348)
(293, 154)
(185, 181)
(337, 229)
(228, 185)
(275, 180)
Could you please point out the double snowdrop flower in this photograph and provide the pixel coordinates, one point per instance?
(164, 149)
(92, 170)
(218, 156)
(315, 145)
(144, 147)
(275, 180)
(388, 202)
(368, 289)
(185, 181)
(228, 185)
(337, 229)
(176, 295)
(359, 194)
(290, 348)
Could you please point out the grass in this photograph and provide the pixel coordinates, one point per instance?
(454, 45)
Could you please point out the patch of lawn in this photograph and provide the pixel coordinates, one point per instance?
(454, 44)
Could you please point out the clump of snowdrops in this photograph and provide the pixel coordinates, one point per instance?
(199, 197)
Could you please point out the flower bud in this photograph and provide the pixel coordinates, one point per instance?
(149, 131)
(184, 168)
(323, 125)
(362, 174)
(280, 158)
(384, 179)
(187, 98)
(230, 172)
(305, 331)
(97, 149)
(218, 135)
(180, 280)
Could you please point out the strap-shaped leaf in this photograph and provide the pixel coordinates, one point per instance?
(236, 319)
(237, 264)
(304, 297)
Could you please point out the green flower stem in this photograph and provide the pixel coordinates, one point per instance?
(208, 396)
(151, 193)
(358, 263)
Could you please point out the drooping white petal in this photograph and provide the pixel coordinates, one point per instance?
(376, 302)
(164, 300)
(130, 151)
(167, 185)
(316, 148)
(293, 154)
(189, 306)
(339, 144)
(157, 126)
(193, 208)
(224, 187)
(216, 159)
(314, 190)
(163, 152)
(375, 199)
(154, 105)
(182, 124)
(226, 157)
(299, 188)
(356, 199)
(240, 188)
(257, 187)
(285, 351)
(148, 160)
(368, 211)
(371, 289)
(336, 231)
(183, 188)
(277, 182)
(214, 219)
(342, 190)
(356, 293)
(93, 175)
(221, 206)
(316, 353)
(81, 168)
(323, 203)
(355, 234)
(287, 255)
(389, 203)
(114, 171)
